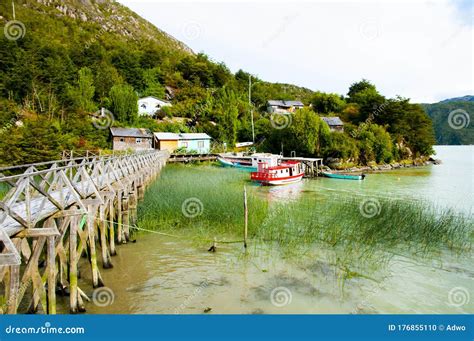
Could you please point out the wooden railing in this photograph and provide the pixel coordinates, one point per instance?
(57, 204)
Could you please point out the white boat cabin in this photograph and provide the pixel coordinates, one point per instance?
(271, 160)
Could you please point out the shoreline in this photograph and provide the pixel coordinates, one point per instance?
(385, 167)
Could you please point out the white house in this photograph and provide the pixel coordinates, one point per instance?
(284, 107)
(151, 105)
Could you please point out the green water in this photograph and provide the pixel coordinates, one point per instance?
(164, 274)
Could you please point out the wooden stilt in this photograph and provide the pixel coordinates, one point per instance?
(73, 259)
(106, 263)
(111, 218)
(51, 255)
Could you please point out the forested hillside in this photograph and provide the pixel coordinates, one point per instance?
(73, 57)
(452, 120)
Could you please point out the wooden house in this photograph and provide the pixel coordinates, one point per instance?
(131, 138)
(334, 123)
(191, 142)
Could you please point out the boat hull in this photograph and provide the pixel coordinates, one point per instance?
(278, 181)
(235, 164)
(344, 176)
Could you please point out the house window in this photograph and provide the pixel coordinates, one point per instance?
(200, 144)
(139, 140)
(122, 139)
(185, 144)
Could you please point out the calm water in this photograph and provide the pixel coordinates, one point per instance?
(160, 274)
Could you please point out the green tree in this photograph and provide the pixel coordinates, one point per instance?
(152, 83)
(123, 103)
(324, 103)
(357, 87)
(81, 95)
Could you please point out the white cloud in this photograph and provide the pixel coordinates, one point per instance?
(417, 49)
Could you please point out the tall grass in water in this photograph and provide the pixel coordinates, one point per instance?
(201, 201)
(4, 188)
(396, 226)
(399, 227)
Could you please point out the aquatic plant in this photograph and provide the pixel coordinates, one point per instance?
(206, 202)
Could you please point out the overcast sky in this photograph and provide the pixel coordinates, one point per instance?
(422, 50)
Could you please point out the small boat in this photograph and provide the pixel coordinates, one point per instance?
(227, 162)
(344, 176)
(285, 173)
(250, 162)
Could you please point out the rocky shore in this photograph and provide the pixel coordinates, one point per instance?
(334, 165)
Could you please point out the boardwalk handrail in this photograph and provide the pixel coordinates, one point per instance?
(61, 212)
(69, 162)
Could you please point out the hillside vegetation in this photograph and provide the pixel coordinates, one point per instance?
(77, 56)
(460, 114)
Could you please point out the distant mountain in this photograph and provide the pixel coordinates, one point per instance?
(453, 120)
(467, 98)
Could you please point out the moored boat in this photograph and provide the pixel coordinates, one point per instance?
(248, 162)
(285, 173)
(344, 176)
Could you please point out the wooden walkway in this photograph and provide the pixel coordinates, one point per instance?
(186, 158)
(54, 212)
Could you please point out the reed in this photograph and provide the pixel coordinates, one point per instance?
(398, 226)
(4, 188)
(201, 202)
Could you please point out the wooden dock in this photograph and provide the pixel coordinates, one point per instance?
(187, 158)
(311, 166)
(55, 212)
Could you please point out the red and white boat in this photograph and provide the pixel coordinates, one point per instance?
(287, 172)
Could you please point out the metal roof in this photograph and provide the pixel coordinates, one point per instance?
(286, 104)
(333, 121)
(194, 136)
(166, 136)
(130, 132)
(183, 136)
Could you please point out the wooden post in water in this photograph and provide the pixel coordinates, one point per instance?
(111, 218)
(106, 263)
(119, 218)
(245, 217)
(51, 258)
(73, 259)
(125, 219)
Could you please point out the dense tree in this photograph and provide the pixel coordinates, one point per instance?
(357, 87)
(81, 95)
(324, 103)
(123, 103)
